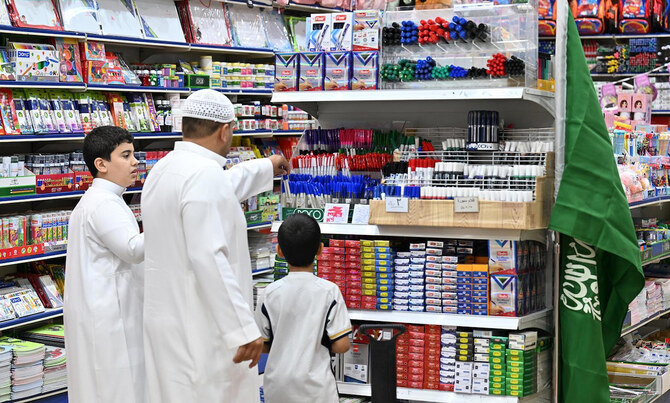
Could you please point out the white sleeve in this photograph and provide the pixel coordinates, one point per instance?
(207, 249)
(263, 319)
(338, 324)
(251, 178)
(118, 231)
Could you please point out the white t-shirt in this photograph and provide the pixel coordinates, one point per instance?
(301, 316)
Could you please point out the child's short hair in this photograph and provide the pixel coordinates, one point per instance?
(299, 239)
(100, 143)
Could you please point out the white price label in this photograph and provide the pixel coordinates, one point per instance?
(397, 204)
(466, 205)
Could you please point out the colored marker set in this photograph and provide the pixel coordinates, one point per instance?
(483, 126)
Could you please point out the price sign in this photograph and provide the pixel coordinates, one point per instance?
(397, 204)
(466, 205)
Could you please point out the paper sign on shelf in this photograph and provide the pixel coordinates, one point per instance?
(466, 204)
(397, 204)
(336, 213)
(361, 214)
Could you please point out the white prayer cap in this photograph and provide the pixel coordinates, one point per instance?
(208, 105)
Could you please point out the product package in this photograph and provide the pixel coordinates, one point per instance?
(298, 31)
(286, 71)
(34, 14)
(504, 295)
(10, 122)
(365, 71)
(80, 16)
(119, 17)
(70, 60)
(357, 363)
(205, 24)
(275, 29)
(340, 34)
(34, 62)
(318, 36)
(6, 67)
(310, 71)
(247, 26)
(160, 20)
(22, 112)
(337, 71)
(114, 71)
(95, 62)
(367, 26)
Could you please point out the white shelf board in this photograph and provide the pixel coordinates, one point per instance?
(437, 396)
(427, 232)
(422, 108)
(261, 272)
(540, 319)
(644, 322)
(29, 320)
(259, 226)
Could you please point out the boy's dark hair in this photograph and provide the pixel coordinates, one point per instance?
(100, 143)
(194, 128)
(299, 239)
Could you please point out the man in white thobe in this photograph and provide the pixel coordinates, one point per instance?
(103, 287)
(199, 328)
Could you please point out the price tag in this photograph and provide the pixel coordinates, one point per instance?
(466, 205)
(336, 213)
(361, 214)
(397, 204)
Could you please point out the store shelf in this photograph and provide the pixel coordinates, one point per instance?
(43, 85)
(5, 29)
(655, 259)
(437, 396)
(313, 8)
(232, 50)
(421, 108)
(541, 319)
(157, 136)
(53, 196)
(34, 258)
(613, 36)
(625, 75)
(653, 201)
(133, 88)
(229, 91)
(644, 322)
(25, 138)
(253, 133)
(427, 232)
(288, 132)
(660, 112)
(144, 43)
(48, 314)
(261, 272)
(260, 226)
(41, 396)
(133, 191)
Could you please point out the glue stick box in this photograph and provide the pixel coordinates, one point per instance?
(337, 71)
(365, 71)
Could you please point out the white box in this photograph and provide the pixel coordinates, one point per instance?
(357, 363)
(367, 30)
(319, 33)
(340, 35)
(523, 341)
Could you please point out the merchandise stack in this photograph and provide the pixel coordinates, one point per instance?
(6, 357)
(377, 259)
(448, 344)
(27, 367)
(353, 273)
(55, 369)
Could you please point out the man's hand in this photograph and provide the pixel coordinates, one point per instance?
(251, 351)
(280, 165)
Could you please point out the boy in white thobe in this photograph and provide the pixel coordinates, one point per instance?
(303, 320)
(103, 290)
(198, 324)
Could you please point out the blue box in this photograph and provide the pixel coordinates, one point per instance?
(464, 306)
(417, 281)
(478, 293)
(480, 274)
(384, 269)
(464, 280)
(404, 262)
(384, 307)
(385, 287)
(480, 280)
(384, 276)
(401, 308)
(401, 288)
(401, 276)
(481, 312)
(416, 295)
(464, 311)
(401, 269)
(463, 294)
(480, 287)
(464, 300)
(416, 274)
(417, 288)
(480, 300)
(464, 274)
(384, 282)
(385, 256)
(384, 294)
(385, 300)
(400, 301)
(480, 306)
(417, 302)
(383, 262)
(464, 287)
(365, 69)
(337, 71)
(382, 249)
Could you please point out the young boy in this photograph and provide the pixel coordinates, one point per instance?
(103, 293)
(303, 320)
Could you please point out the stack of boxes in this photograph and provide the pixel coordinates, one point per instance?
(465, 351)
(401, 278)
(432, 352)
(402, 359)
(521, 359)
(377, 271)
(481, 368)
(498, 369)
(417, 281)
(448, 359)
(417, 346)
(280, 268)
(433, 273)
(353, 274)
(472, 289)
(450, 284)
(332, 263)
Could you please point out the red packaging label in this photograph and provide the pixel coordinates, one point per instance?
(353, 266)
(415, 364)
(352, 244)
(432, 338)
(415, 385)
(402, 383)
(415, 371)
(431, 385)
(415, 378)
(354, 291)
(447, 387)
(417, 335)
(336, 243)
(433, 329)
(416, 342)
(416, 328)
(369, 306)
(416, 350)
(402, 349)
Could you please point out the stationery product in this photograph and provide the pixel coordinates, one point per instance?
(70, 61)
(337, 71)
(275, 29)
(34, 62)
(160, 20)
(298, 29)
(34, 14)
(365, 69)
(319, 32)
(207, 22)
(4, 15)
(310, 71)
(286, 71)
(246, 26)
(119, 18)
(80, 16)
(340, 34)
(6, 67)
(367, 24)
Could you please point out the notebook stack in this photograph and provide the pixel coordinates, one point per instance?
(27, 370)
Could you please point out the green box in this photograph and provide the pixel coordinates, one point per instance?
(496, 385)
(498, 366)
(521, 377)
(315, 213)
(497, 360)
(497, 391)
(523, 355)
(519, 393)
(254, 217)
(497, 379)
(522, 370)
(196, 80)
(18, 186)
(520, 364)
(495, 346)
(497, 372)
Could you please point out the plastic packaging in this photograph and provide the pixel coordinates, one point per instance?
(119, 18)
(298, 31)
(209, 23)
(247, 26)
(160, 20)
(80, 16)
(275, 29)
(34, 14)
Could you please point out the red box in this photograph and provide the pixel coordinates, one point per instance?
(82, 180)
(434, 338)
(332, 264)
(447, 387)
(401, 357)
(417, 335)
(416, 350)
(353, 305)
(353, 266)
(331, 271)
(415, 371)
(432, 379)
(353, 297)
(401, 369)
(431, 385)
(415, 385)
(353, 291)
(415, 328)
(336, 243)
(417, 343)
(352, 244)
(416, 357)
(415, 378)
(21, 251)
(353, 259)
(432, 364)
(402, 349)
(433, 329)
(55, 183)
(432, 351)
(368, 299)
(402, 383)
(369, 306)
(415, 364)
(401, 342)
(432, 372)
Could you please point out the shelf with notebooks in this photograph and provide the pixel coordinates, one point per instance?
(540, 320)
(643, 322)
(138, 136)
(53, 196)
(27, 320)
(41, 396)
(123, 88)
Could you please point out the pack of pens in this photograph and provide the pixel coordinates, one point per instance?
(457, 47)
(314, 191)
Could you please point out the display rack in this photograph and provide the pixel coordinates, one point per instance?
(422, 395)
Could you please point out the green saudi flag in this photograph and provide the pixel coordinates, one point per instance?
(600, 261)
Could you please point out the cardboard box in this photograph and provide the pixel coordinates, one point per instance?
(286, 72)
(319, 33)
(367, 29)
(365, 70)
(340, 35)
(356, 363)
